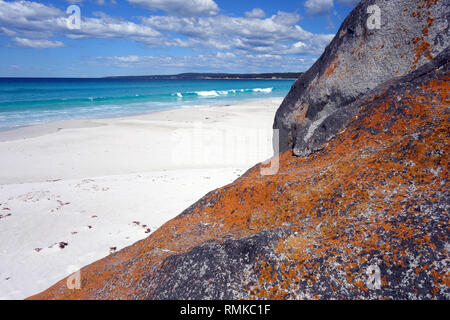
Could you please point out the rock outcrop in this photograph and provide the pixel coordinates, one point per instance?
(360, 57)
(373, 198)
(376, 195)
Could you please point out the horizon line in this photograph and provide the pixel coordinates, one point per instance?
(223, 74)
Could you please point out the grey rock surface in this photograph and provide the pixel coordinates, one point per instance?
(216, 271)
(359, 58)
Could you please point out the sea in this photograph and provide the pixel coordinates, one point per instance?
(26, 101)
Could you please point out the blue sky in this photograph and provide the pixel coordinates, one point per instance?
(138, 37)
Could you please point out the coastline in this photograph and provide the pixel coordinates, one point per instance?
(38, 129)
(29, 102)
(75, 191)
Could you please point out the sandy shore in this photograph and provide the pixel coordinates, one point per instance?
(72, 192)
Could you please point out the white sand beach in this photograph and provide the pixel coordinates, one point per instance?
(72, 192)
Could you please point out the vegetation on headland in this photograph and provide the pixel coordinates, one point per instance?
(286, 75)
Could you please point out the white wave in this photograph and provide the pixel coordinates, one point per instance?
(265, 90)
(211, 93)
(216, 93)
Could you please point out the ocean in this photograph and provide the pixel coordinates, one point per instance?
(32, 101)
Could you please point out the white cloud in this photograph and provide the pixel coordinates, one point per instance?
(255, 13)
(278, 34)
(37, 44)
(180, 7)
(206, 63)
(27, 9)
(274, 34)
(7, 31)
(37, 21)
(223, 55)
(318, 7)
(104, 26)
(130, 58)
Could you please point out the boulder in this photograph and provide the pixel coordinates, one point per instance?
(378, 40)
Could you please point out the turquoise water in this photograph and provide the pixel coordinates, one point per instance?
(32, 101)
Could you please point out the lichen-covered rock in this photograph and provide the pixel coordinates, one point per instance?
(360, 57)
(376, 196)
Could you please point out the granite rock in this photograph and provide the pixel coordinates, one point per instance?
(361, 56)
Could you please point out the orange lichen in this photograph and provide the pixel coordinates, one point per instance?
(332, 67)
(421, 46)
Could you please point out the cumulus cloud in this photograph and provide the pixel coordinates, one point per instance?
(180, 7)
(27, 9)
(274, 34)
(104, 26)
(318, 7)
(29, 19)
(30, 24)
(255, 13)
(37, 44)
(37, 21)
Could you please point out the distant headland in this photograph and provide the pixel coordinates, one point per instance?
(287, 75)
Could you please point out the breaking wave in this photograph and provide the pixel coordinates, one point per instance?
(216, 93)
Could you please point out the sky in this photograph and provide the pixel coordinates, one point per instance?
(147, 37)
